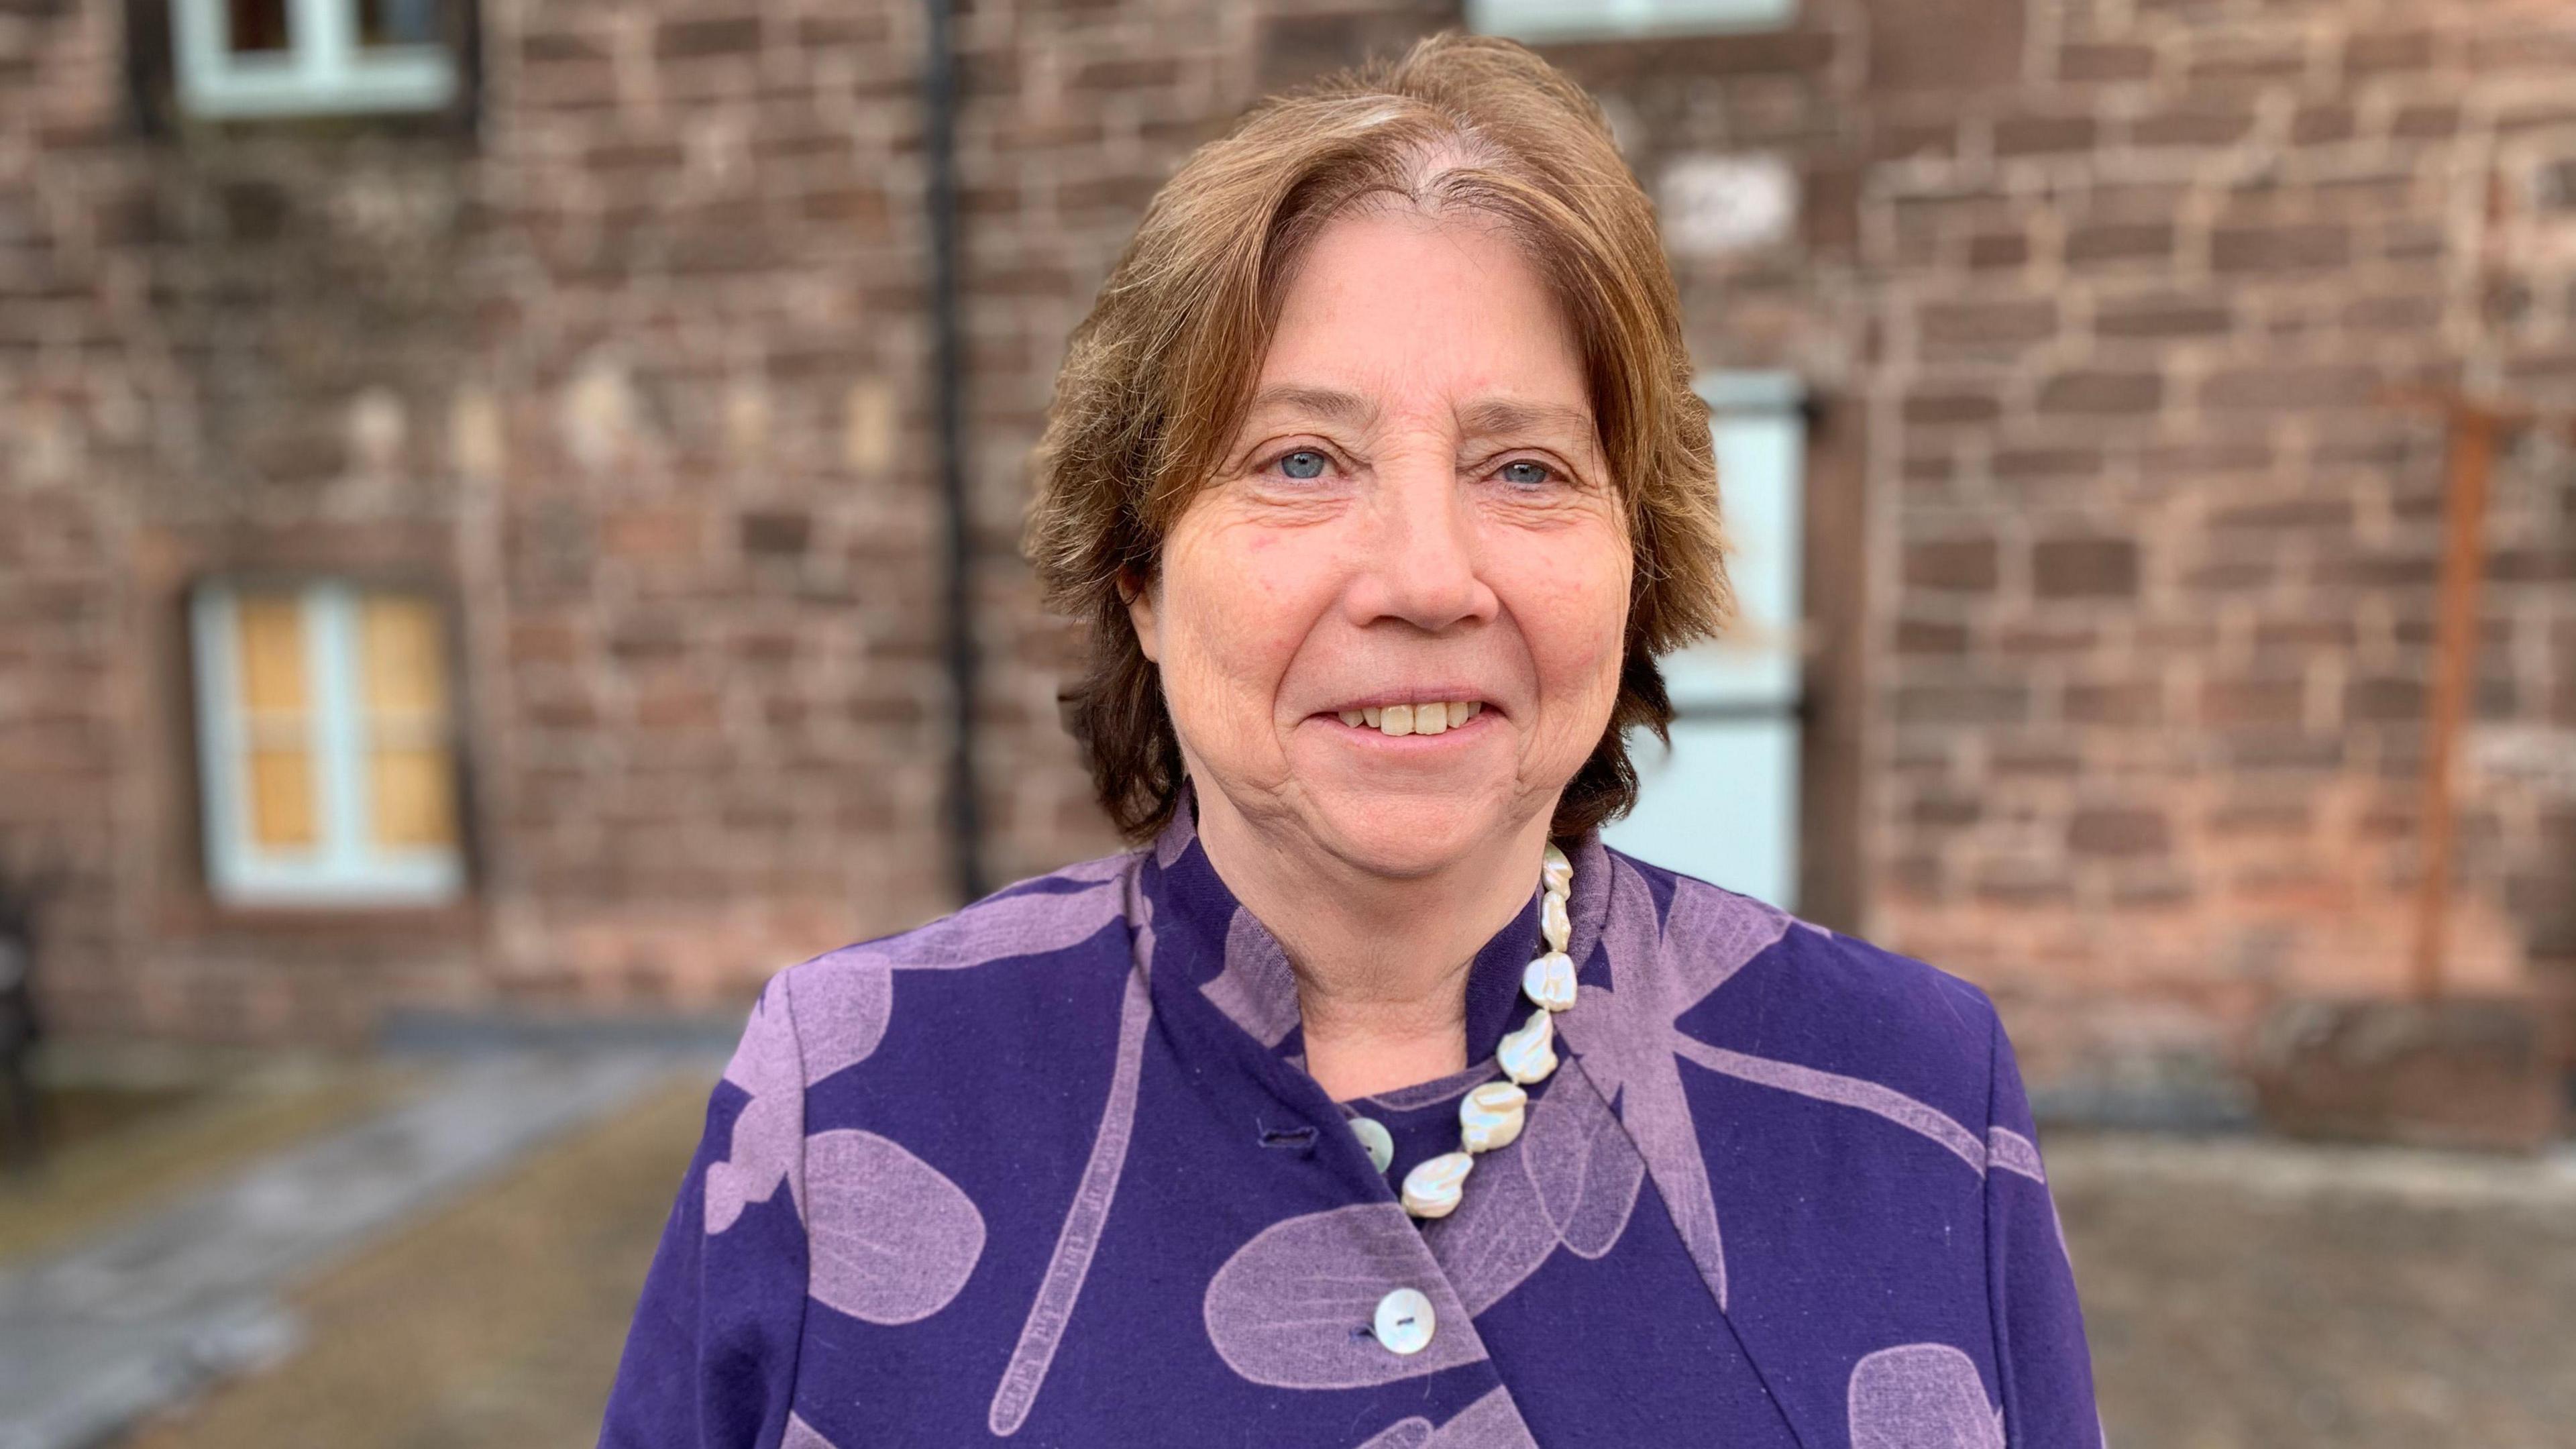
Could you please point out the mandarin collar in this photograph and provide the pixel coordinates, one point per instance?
(1234, 965)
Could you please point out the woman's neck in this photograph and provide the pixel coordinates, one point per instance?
(1381, 962)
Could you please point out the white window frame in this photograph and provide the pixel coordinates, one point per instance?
(1539, 21)
(346, 867)
(1739, 699)
(322, 71)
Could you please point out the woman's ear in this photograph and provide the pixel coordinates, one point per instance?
(1138, 596)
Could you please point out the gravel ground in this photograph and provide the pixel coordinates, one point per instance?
(2245, 1295)
(2241, 1295)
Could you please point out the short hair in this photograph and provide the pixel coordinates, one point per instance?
(1157, 378)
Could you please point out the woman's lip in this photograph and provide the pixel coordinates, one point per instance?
(1473, 725)
(1416, 698)
(1459, 694)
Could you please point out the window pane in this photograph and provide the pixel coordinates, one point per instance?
(281, 798)
(255, 25)
(1545, 20)
(403, 663)
(413, 795)
(272, 658)
(397, 22)
(269, 633)
(403, 657)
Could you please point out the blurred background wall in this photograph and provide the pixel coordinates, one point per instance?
(482, 547)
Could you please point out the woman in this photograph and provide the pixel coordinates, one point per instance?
(1373, 1101)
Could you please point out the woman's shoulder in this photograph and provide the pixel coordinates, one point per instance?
(1757, 978)
(838, 1005)
(1038, 916)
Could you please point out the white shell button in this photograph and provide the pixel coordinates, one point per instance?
(1375, 1140)
(1404, 1321)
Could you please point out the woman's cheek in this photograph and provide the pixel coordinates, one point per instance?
(1586, 620)
(1225, 588)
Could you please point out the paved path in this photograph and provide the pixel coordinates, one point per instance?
(2251, 1294)
(95, 1336)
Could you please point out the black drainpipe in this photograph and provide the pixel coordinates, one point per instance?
(939, 126)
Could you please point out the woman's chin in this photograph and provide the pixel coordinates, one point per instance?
(1405, 834)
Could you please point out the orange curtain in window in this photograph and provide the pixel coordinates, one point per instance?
(277, 715)
(411, 776)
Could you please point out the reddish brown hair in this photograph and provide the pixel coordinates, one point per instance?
(1158, 376)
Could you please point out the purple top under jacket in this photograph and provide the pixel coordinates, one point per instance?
(1050, 1171)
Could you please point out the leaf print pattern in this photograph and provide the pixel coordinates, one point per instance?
(1018, 922)
(1624, 1035)
(1586, 1171)
(1438, 1089)
(892, 1238)
(1842, 1091)
(1180, 831)
(1571, 1177)
(1500, 1233)
(1088, 1214)
(1292, 1307)
(1410, 1433)
(1710, 935)
(1921, 1396)
(2012, 1152)
(1742, 929)
(1255, 989)
(831, 1013)
(842, 1015)
(767, 1132)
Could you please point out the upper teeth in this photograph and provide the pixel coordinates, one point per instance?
(1427, 718)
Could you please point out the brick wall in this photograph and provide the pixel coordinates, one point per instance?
(2164, 547)
(2123, 573)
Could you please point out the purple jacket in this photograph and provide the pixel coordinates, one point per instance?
(1050, 1170)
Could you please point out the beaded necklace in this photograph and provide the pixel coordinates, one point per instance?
(1491, 1115)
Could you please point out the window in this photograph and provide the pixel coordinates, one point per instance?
(298, 57)
(1723, 803)
(324, 735)
(1545, 20)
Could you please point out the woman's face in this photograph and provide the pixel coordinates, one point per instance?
(1416, 517)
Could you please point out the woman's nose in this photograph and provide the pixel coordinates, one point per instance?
(1421, 565)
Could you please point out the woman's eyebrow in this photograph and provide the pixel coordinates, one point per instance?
(1495, 417)
(1329, 404)
(1489, 417)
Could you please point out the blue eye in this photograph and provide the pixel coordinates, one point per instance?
(1526, 472)
(1301, 464)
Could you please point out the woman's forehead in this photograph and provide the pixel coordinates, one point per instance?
(1484, 415)
(1428, 318)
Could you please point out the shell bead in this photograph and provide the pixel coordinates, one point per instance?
(1434, 1186)
(1491, 1116)
(1529, 1054)
(1553, 921)
(1549, 981)
(1556, 872)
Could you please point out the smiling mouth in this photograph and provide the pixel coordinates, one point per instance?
(1429, 717)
